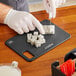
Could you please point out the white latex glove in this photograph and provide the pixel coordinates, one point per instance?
(22, 22)
(51, 5)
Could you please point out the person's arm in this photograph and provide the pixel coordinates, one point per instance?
(19, 21)
(4, 9)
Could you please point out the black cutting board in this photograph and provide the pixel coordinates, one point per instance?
(19, 43)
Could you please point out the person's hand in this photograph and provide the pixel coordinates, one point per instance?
(22, 22)
(51, 5)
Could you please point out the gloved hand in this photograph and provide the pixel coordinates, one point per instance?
(22, 22)
(51, 5)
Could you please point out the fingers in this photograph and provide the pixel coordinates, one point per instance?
(26, 25)
(53, 5)
(53, 9)
(46, 6)
(23, 26)
(18, 30)
(30, 25)
(38, 25)
(25, 29)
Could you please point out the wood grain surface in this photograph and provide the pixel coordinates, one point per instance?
(65, 19)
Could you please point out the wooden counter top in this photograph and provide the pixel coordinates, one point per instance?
(66, 19)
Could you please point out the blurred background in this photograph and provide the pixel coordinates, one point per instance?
(37, 5)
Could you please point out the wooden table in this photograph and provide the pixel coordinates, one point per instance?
(66, 19)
